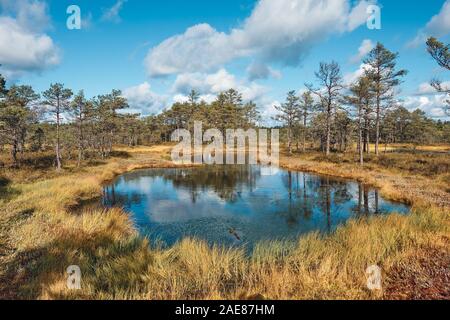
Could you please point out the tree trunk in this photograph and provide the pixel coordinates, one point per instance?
(111, 142)
(14, 153)
(364, 143)
(368, 139)
(80, 144)
(377, 137)
(366, 200)
(360, 138)
(328, 134)
(58, 151)
(377, 202)
(289, 139)
(304, 132)
(378, 111)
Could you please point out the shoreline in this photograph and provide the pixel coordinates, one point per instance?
(58, 211)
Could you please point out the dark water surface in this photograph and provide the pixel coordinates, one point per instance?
(235, 205)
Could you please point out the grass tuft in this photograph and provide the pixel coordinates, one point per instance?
(41, 235)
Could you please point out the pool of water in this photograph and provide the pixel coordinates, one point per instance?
(240, 205)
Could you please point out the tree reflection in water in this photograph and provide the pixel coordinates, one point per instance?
(238, 204)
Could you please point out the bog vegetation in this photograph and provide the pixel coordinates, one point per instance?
(43, 229)
(328, 116)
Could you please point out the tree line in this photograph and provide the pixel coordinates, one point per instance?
(366, 111)
(328, 116)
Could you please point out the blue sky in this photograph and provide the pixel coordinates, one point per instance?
(155, 51)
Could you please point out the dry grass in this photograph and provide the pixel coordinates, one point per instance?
(41, 235)
(438, 148)
(418, 179)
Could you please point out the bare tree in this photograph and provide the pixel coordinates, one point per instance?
(330, 82)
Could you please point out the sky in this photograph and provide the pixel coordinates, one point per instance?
(157, 51)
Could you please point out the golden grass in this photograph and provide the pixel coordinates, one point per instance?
(440, 148)
(413, 178)
(41, 235)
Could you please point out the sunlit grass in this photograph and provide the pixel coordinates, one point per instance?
(47, 235)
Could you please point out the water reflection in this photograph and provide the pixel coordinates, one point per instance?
(236, 205)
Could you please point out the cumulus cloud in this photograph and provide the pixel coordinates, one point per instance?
(426, 88)
(438, 26)
(358, 15)
(24, 47)
(204, 83)
(432, 105)
(352, 77)
(199, 49)
(269, 112)
(181, 98)
(366, 46)
(209, 85)
(264, 34)
(113, 14)
(30, 14)
(143, 100)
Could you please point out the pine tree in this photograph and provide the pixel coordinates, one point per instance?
(80, 109)
(57, 99)
(384, 76)
(360, 98)
(289, 115)
(307, 107)
(441, 53)
(16, 117)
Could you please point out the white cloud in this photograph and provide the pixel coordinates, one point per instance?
(24, 47)
(352, 77)
(113, 14)
(199, 49)
(143, 100)
(426, 88)
(214, 83)
(204, 83)
(432, 105)
(30, 14)
(358, 15)
(264, 34)
(438, 26)
(268, 112)
(366, 46)
(22, 51)
(181, 98)
(210, 85)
